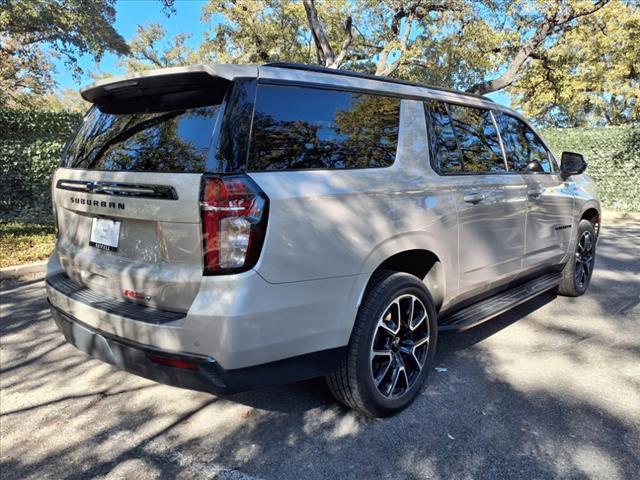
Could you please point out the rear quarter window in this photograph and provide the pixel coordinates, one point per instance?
(304, 128)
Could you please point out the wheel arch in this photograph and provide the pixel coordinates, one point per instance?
(593, 215)
(424, 264)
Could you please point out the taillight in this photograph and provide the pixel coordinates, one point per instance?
(234, 221)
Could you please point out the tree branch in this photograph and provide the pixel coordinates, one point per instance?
(417, 10)
(325, 52)
(348, 37)
(556, 22)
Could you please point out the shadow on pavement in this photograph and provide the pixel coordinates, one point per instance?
(548, 390)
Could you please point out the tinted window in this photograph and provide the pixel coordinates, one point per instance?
(297, 128)
(175, 141)
(477, 139)
(442, 142)
(234, 136)
(525, 151)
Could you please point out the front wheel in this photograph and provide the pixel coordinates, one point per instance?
(391, 348)
(576, 274)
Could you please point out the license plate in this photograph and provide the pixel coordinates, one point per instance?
(105, 234)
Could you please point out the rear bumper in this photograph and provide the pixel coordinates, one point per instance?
(197, 372)
(240, 321)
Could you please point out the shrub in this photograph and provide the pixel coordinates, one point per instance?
(31, 143)
(613, 158)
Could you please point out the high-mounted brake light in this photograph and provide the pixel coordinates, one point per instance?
(234, 221)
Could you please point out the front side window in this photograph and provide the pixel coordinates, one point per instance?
(477, 139)
(525, 151)
(301, 128)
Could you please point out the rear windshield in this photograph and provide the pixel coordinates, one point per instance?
(173, 141)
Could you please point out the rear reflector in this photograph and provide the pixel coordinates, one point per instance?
(173, 362)
(234, 217)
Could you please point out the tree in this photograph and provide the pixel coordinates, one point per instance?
(535, 29)
(33, 30)
(568, 62)
(591, 77)
(63, 100)
(388, 30)
(147, 49)
(261, 31)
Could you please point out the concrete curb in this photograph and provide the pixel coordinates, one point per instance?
(18, 271)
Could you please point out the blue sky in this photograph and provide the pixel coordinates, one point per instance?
(131, 13)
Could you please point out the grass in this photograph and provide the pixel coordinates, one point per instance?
(25, 242)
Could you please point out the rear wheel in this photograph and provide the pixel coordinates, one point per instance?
(576, 274)
(391, 348)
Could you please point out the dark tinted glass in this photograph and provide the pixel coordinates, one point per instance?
(477, 139)
(442, 141)
(231, 155)
(176, 141)
(298, 128)
(525, 151)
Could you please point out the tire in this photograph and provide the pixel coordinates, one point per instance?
(576, 274)
(388, 343)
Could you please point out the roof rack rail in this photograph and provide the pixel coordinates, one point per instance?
(379, 78)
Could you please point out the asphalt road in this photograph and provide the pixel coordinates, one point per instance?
(549, 390)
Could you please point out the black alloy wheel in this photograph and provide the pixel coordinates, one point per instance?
(399, 346)
(584, 259)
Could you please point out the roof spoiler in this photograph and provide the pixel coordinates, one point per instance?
(165, 89)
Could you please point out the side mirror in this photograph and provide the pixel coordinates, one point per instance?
(572, 164)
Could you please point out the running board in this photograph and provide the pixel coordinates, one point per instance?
(487, 309)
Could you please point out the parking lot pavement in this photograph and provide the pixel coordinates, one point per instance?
(549, 390)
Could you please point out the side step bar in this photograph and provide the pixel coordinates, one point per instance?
(493, 306)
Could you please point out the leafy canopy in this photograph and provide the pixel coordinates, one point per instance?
(565, 62)
(32, 32)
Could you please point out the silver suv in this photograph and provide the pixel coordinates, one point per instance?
(228, 227)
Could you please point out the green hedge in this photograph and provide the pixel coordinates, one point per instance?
(31, 143)
(613, 158)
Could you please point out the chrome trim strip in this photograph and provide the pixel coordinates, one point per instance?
(160, 192)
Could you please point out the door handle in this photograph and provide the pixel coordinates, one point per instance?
(535, 192)
(475, 197)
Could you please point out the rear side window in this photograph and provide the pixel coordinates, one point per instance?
(525, 151)
(173, 141)
(477, 139)
(301, 128)
(463, 139)
(443, 144)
